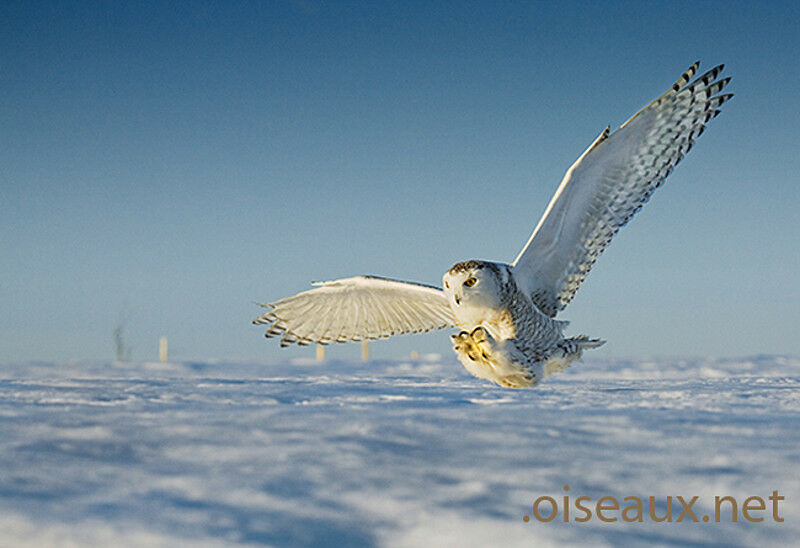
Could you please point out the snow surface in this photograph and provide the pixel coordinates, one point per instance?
(387, 453)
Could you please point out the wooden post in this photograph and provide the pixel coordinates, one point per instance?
(364, 351)
(320, 353)
(414, 356)
(162, 349)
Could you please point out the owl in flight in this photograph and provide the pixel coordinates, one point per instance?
(506, 313)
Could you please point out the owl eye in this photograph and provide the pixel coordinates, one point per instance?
(470, 282)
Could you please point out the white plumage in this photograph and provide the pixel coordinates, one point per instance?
(352, 309)
(506, 311)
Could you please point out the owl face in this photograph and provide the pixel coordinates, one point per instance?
(471, 288)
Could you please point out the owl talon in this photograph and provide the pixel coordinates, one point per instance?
(479, 335)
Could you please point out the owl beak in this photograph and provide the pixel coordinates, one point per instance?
(458, 299)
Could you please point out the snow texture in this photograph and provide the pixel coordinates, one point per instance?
(387, 453)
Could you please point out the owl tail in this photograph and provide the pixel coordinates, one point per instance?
(569, 350)
(580, 343)
(585, 343)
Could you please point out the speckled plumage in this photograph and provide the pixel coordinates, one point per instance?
(610, 183)
(507, 340)
(506, 312)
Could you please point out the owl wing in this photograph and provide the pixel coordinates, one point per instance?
(609, 183)
(353, 309)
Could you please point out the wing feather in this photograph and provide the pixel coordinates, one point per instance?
(609, 183)
(353, 309)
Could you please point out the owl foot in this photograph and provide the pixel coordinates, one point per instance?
(476, 345)
(483, 340)
(463, 343)
(479, 335)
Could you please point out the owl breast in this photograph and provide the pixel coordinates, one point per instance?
(479, 296)
(498, 321)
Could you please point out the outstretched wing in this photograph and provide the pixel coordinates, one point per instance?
(353, 309)
(609, 183)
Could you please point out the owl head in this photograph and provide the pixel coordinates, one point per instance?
(473, 285)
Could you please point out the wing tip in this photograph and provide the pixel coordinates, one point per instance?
(686, 76)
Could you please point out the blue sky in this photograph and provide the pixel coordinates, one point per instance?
(169, 164)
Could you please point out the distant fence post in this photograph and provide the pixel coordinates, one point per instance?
(364, 351)
(320, 353)
(162, 349)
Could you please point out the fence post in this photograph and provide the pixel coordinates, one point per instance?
(162, 349)
(364, 351)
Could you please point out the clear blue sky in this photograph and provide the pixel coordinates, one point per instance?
(171, 163)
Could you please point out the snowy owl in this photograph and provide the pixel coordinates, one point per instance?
(506, 312)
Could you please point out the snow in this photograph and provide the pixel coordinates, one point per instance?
(387, 453)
